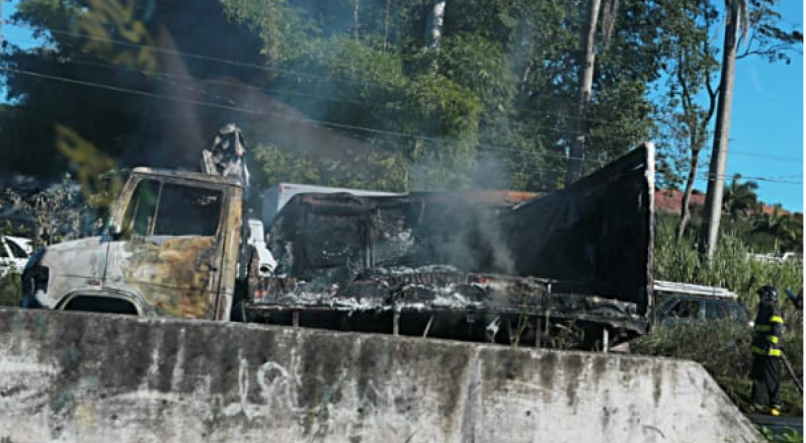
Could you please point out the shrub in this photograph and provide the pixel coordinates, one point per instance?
(10, 290)
(722, 347)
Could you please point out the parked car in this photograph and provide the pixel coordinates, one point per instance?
(14, 253)
(680, 303)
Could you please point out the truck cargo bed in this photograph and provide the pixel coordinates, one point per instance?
(465, 265)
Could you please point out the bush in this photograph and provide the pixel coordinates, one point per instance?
(723, 348)
(783, 436)
(10, 290)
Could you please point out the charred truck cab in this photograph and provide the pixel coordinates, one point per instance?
(170, 250)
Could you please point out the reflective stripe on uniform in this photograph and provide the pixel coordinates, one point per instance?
(771, 353)
(776, 319)
(772, 339)
(763, 328)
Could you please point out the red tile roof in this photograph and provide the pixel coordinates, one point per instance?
(669, 200)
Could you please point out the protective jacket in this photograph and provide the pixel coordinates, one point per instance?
(767, 331)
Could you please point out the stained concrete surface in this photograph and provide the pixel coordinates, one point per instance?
(72, 377)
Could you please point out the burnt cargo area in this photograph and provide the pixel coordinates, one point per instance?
(573, 265)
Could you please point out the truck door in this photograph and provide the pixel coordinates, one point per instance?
(170, 247)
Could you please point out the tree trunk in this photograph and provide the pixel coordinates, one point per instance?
(685, 209)
(719, 156)
(386, 25)
(574, 170)
(356, 6)
(433, 30)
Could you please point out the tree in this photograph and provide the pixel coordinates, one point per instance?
(691, 66)
(436, 18)
(740, 198)
(342, 91)
(784, 228)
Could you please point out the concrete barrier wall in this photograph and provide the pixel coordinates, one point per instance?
(91, 378)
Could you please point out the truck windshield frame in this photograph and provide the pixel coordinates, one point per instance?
(173, 209)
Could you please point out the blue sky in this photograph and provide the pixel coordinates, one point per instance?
(767, 126)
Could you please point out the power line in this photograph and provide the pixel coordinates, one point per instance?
(319, 77)
(762, 179)
(323, 123)
(773, 179)
(287, 92)
(211, 105)
(196, 56)
(216, 82)
(481, 146)
(285, 71)
(263, 113)
(312, 76)
(767, 156)
(301, 94)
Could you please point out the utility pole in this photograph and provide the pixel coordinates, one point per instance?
(719, 157)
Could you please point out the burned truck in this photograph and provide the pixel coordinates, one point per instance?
(173, 245)
(572, 265)
(473, 266)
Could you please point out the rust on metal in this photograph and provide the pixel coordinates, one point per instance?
(582, 254)
(171, 249)
(173, 276)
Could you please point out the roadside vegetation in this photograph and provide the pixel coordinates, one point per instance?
(10, 290)
(723, 347)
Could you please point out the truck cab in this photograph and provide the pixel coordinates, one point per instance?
(171, 249)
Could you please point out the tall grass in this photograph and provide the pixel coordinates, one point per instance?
(730, 268)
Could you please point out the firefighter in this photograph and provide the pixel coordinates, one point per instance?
(766, 350)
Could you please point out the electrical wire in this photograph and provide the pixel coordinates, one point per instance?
(263, 113)
(236, 108)
(328, 124)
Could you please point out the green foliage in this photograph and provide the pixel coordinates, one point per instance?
(722, 347)
(493, 106)
(277, 23)
(785, 230)
(730, 268)
(481, 66)
(10, 290)
(278, 166)
(785, 436)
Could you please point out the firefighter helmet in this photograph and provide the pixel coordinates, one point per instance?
(768, 293)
